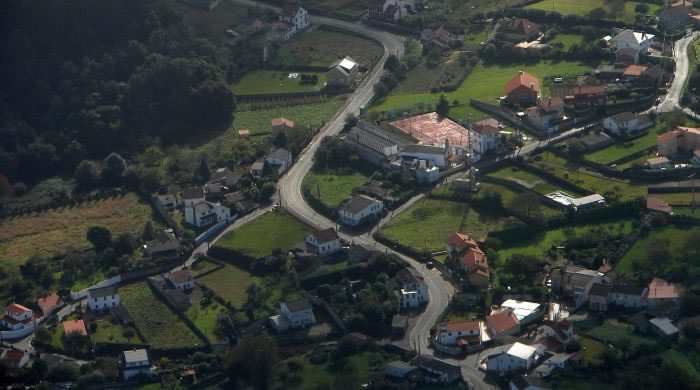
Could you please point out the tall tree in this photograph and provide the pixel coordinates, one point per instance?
(253, 360)
(100, 237)
(443, 106)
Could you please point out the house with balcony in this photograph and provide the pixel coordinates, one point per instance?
(413, 291)
(103, 298)
(17, 317)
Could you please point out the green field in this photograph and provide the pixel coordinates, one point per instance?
(323, 48)
(258, 121)
(583, 7)
(540, 242)
(202, 266)
(484, 83)
(272, 81)
(275, 229)
(159, 325)
(612, 331)
(591, 350)
(211, 25)
(567, 40)
(427, 223)
(680, 359)
(681, 197)
(108, 332)
(333, 188)
(204, 317)
(230, 284)
(638, 252)
(528, 179)
(314, 375)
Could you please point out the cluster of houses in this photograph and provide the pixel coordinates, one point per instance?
(389, 11)
(293, 19)
(471, 259)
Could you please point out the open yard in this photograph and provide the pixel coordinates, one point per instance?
(322, 48)
(272, 81)
(591, 350)
(364, 364)
(682, 360)
(677, 236)
(566, 40)
(584, 7)
(230, 283)
(528, 179)
(427, 223)
(159, 325)
(258, 121)
(275, 229)
(204, 317)
(612, 331)
(55, 230)
(211, 25)
(333, 188)
(108, 332)
(484, 83)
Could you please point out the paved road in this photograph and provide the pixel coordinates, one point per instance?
(680, 54)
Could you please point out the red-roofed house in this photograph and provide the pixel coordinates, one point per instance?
(548, 111)
(484, 135)
(523, 89)
(458, 242)
(562, 331)
(467, 333)
(661, 291)
(502, 324)
(281, 124)
(588, 95)
(17, 317)
(658, 205)
(15, 359)
(49, 303)
(683, 138)
(518, 30)
(74, 326)
(633, 71)
(472, 260)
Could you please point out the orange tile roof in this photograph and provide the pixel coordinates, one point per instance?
(665, 137)
(660, 289)
(522, 79)
(462, 326)
(460, 241)
(474, 257)
(16, 309)
(282, 122)
(71, 326)
(658, 204)
(48, 302)
(13, 356)
(243, 132)
(604, 268)
(634, 70)
(501, 322)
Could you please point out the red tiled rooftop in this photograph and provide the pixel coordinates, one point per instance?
(460, 241)
(16, 309)
(463, 326)
(13, 356)
(522, 79)
(634, 70)
(282, 122)
(48, 302)
(658, 204)
(72, 326)
(501, 322)
(660, 289)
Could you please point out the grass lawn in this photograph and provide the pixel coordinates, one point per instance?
(108, 332)
(478, 36)
(567, 40)
(275, 229)
(230, 283)
(322, 48)
(158, 324)
(680, 359)
(685, 198)
(258, 121)
(427, 223)
(534, 182)
(333, 188)
(583, 7)
(365, 363)
(637, 162)
(204, 317)
(55, 230)
(612, 331)
(272, 81)
(677, 237)
(484, 83)
(202, 266)
(540, 242)
(591, 350)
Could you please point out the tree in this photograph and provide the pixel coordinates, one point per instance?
(87, 175)
(267, 190)
(641, 8)
(443, 106)
(253, 360)
(576, 146)
(42, 336)
(350, 121)
(391, 63)
(294, 366)
(527, 202)
(100, 237)
(347, 346)
(280, 139)
(624, 344)
(113, 169)
(617, 8)
(203, 172)
(125, 244)
(597, 13)
(5, 187)
(148, 233)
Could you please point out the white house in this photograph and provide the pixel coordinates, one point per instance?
(17, 317)
(343, 73)
(206, 213)
(414, 290)
(279, 160)
(14, 359)
(628, 122)
(436, 154)
(562, 331)
(518, 356)
(181, 280)
(294, 314)
(324, 242)
(192, 196)
(524, 311)
(631, 39)
(296, 17)
(358, 208)
(459, 333)
(484, 135)
(134, 363)
(103, 298)
(627, 295)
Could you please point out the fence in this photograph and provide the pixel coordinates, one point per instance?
(214, 230)
(324, 91)
(105, 283)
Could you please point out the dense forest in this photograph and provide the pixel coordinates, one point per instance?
(81, 79)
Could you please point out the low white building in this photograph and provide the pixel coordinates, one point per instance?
(658, 163)
(627, 122)
(104, 298)
(205, 213)
(279, 160)
(524, 311)
(627, 295)
(17, 317)
(359, 208)
(459, 333)
(562, 331)
(181, 280)
(435, 154)
(135, 363)
(414, 290)
(631, 39)
(517, 357)
(294, 314)
(296, 16)
(324, 242)
(566, 200)
(343, 73)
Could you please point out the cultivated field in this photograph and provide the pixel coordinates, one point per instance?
(258, 238)
(677, 237)
(584, 7)
(158, 324)
(333, 187)
(427, 223)
(258, 121)
(204, 317)
(272, 81)
(528, 179)
(323, 48)
(55, 230)
(230, 283)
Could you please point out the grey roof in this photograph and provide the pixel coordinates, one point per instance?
(665, 325)
(135, 355)
(437, 365)
(623, 117)
(225, 176)
(408, 275)
(164, 241)
(627, 289)
(628, 51)
(358, 203)
(202, 207)
(325, 235)
(600, 290)
(192, 193)
(298, 305)
(424, 149)
(546, 369)
(280, 154)
(102, 291)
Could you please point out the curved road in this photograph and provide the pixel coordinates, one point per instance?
(680, 54)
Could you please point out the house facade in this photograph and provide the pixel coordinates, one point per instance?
(660, 291)
(389, 11)
(547, 112)
(191, 196)
(181, 280)
(101, 299)
(676, 15)
(467, 333)
(627, 123)
(438, 371)
(502, 324)
(205, 213)
(629, 39)
(17, 317)
(413, 289)
(14, 359)
(135, 363)
(358, 209)
(324, 242)
(518, 30)
(437, 155)
(296, 17)
(599, 296)
(49, 303)
(294, 314)
(279, 160)
(685, 139)
(627, 295)
(163, 245)
(343, 73)
(517, 357)
(523, 89)
(657, 163)
(484, 136)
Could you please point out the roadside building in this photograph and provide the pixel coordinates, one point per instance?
(599, 296)
(588, 95)
(465, 333)
(135, 363)
(17, 317)
(324, 242)
(523, 89)
(517, 357)
(547, 112)
(685, 139)
(104, 298)
(343, 73)
(518, 30)
(435, 154)
(484, 135)
(627, 295)
(436, 370)
(204, 214)
(398, 369)
(658, 163)
(279, 160)
(164, 244)
(626, 123)
(49, 304)
(359, 209)
(413, 289)
(629, 39)
(294, 314)
(373, 144)
(676, 15)
(502, 324)
(181, 280)
(14, 359)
